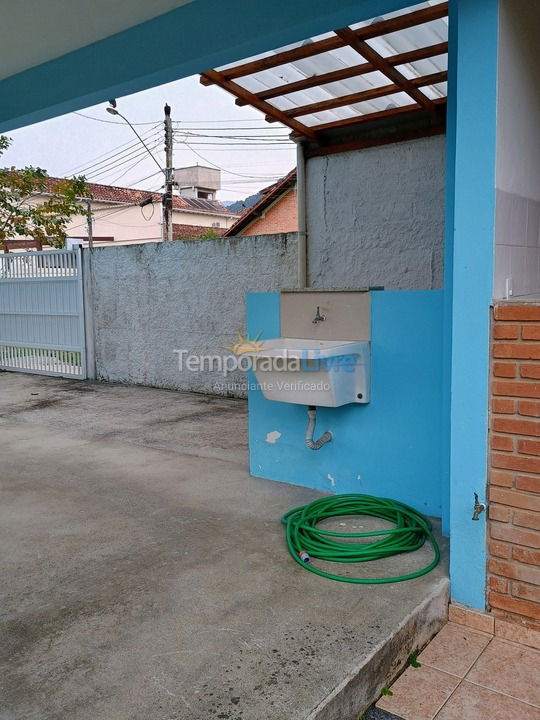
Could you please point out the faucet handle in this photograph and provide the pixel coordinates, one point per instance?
(478, 507)
(318, 317)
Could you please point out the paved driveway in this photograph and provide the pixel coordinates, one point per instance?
(144, 575)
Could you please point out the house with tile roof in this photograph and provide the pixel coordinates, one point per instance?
(275, 212)
(129, 215)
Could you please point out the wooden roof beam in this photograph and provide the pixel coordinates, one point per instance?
(382, 64)
(349, 72)
(364, 95)
(217, 78)
(360, 119)
(401, 22)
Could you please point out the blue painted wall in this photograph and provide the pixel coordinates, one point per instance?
(474, 47)
(389, 447)
(200, 35)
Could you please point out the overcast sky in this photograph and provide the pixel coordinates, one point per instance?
(107, 151)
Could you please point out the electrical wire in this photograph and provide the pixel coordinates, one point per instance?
(112, 166)
(410, 532)
(125, 172)
(108, 154)
(102, 217)
(111, 122)
(262, 177)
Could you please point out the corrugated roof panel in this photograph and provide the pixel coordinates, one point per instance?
(416, 37)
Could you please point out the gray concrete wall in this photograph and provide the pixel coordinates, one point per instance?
(148, 300)
(376, 216)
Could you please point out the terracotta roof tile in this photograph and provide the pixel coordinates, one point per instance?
(271, 193)
(122, 195)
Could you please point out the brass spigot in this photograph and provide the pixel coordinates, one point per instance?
(478, 507)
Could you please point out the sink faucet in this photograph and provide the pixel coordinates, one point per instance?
(478, 507)
(318, 317)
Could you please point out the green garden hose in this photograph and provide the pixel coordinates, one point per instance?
(305, 540)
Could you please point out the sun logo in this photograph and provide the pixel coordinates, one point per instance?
(244, 345)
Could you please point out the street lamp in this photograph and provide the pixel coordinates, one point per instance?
(113, 111)
(168, 171)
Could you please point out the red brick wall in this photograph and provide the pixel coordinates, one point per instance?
(279, 218)
(191, 232)
(514, 479)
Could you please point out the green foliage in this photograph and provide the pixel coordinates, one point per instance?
(26, 212)
(386, 691)
(412, 661)
(209, 234)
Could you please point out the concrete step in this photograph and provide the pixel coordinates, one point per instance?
(362, 687)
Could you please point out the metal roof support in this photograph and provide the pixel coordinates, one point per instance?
(301, 212)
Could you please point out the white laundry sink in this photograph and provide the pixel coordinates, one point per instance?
(325, 373)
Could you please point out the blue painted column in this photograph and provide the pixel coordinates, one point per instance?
(475, 44)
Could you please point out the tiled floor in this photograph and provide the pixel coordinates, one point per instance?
(467, 674)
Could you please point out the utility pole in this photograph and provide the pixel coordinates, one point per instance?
(169, 179)
(89, 224)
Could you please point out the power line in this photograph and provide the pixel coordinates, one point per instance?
(234, 120)
(112, 122)
(116, 122)
(218, 166)
(235, 129)
(102, 217)
(251, 149)
(125, 172)
(123, 147)
(115, 157)
(194, 133)
(112, 166)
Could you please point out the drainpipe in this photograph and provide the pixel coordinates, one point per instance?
(301, 211)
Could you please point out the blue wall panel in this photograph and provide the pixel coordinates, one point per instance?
(200, 35)
(389, 447)
(474, 45)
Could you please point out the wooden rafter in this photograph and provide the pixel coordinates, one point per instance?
(382, 64)
(362, 96)
(359, 119)
(216, 78)
(349, 72)
(371, 61)
(401, 22)
(363, 143)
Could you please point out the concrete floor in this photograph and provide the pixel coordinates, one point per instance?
(144, 574)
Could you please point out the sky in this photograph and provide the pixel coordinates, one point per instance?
(105, 149)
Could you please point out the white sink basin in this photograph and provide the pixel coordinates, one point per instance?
(326, 373)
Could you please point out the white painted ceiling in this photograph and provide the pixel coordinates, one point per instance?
(35, 31)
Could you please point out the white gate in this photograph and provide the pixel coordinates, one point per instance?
(42, 313)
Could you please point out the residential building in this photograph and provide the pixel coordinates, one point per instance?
(127, 215)
(275, 212)
(117, 215)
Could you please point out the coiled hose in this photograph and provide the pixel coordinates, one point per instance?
(306, 540)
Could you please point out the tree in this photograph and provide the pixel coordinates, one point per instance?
(45, 221)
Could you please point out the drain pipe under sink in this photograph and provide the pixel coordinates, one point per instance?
(325, 437)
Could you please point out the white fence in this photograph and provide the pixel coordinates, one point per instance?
(42, 314)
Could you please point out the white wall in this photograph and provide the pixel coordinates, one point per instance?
(517, 233)
(130, 222)
(376, 216)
